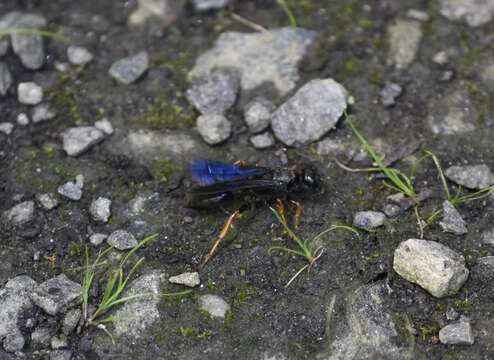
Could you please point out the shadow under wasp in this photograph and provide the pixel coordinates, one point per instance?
(217, 183)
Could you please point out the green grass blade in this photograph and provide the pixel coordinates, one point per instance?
(137, 247)
(288, 12)
(302, 269)
(441, 174)
(282, 248)
(25, 31)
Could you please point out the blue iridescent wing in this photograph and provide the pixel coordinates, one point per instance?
(208, 172)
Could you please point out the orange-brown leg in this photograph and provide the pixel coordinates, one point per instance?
(216, 244)
(298, 213)
(280, 207)
(241, 163)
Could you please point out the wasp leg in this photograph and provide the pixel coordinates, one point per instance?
(216, 244)
(298, 213)
(281, 210)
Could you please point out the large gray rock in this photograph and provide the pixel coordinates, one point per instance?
(260, 57)
(129, 69)
(20, 213)
(138, 314)
(460, 333)
(14, 301)
(471, 176)
(214, 128)
(404, 38)
(473, 12)
(214, 93)
(5, 78)
(435, 267)
(370, 331)
(214, 305)
(452, 221)
(79, 139)
(29, 47)
(57, 294)
(310, 113)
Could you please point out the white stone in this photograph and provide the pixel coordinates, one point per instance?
(29, 93)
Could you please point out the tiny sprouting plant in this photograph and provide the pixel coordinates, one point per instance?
(116, 280)
(307, 249)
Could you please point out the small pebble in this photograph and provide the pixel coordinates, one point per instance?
(70, 190)
(79, 180)
(190, 279)
(97, 239)
(59, 342)
(100, 209)
(29, 93)
(22, 119)
(105, 126)
(6, 128)
(42, 112)
(460, 333)
(47, 200)
(214, 305)
(369, 219)
(262, 141)
(418, 15)
(257, 115)
(214, 128)
(440, 58)
(130, 69)
(121, 240)
(78, 55)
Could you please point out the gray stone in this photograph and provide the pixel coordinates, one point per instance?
(57, 294)
(214, 305)
(441, 58)
(389, 93)
(214, 128)
(487, 237)
(206, 5)
(97, 239)
(22, 119)
(71, 320)
(29, 47)
(310, 113)
(100, 209)
(262, 141)
(370, 331)
(129, 69)
(5, 78)
(59, 342)
(78, 55)
(41, 336)
(13, 342)
(369, 219)
(105, 126)
(79, 180)
(257, 114)
(190, 279)
(452, 221)
(29, 93)
(14, 302)
(460, 333)
(336, 147)
(42, 112)
(392, 210)
(451, 114)
(122, 240)
(435, 267)
(164, 11)
(471, 176)
(21, 213)
(70, 190)
(79, 139)
(260, 57)
(472, 12)
(214, 93)
(138, 314)
(47, 200)
(487, 76)
(6, 128)
(404, 37)
(61, 355)
(418, 15)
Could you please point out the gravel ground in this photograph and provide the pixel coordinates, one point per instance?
(104, 104)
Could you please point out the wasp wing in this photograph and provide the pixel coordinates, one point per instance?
(207, 172)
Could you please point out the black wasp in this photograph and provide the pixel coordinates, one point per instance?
(217, 182)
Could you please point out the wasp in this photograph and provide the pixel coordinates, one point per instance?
(217, 183)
